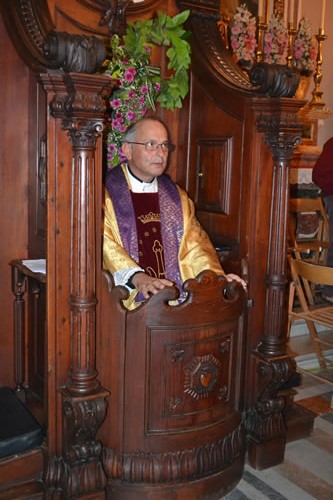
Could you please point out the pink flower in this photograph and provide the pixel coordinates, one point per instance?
(130, 74)
(131, 116)
(115, 103)
(116, 124)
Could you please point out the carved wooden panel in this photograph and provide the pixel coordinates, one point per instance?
(213, 175)
(214, 166)
(189, 377)
(175, 378)
(37, 170)
(37, 344)
(99, 17)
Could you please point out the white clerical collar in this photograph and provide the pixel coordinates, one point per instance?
(138, 186)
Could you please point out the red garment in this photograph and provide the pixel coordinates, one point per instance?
(322, 174)
(148, 223)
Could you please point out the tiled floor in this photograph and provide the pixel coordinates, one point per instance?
(307, 470)
(301, 347)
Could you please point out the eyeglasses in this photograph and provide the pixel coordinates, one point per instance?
(154, 145)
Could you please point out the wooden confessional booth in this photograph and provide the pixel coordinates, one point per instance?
(162, 402)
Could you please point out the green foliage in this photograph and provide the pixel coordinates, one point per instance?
(141, 37)
(140, 85)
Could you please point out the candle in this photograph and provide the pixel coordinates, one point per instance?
(291, 12)
(285, 12)
(260, 9)
(323, 8)
(297, 7)
(266, 11)
(299, 11)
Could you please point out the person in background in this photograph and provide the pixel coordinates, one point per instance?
(152, 238)
(322, 176)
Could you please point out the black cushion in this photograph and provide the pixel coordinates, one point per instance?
(19, 431)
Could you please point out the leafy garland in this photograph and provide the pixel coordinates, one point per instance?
(140, 85)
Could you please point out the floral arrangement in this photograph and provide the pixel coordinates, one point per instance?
(305, 48)
(243, 35)
(243, 29)
(276, 40)
(139, 84)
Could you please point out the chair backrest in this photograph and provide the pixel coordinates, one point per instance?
(311, 272)
(305, 278)
(308, 229)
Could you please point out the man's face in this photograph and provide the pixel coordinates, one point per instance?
(147, 164)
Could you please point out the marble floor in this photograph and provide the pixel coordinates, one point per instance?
(307, 470)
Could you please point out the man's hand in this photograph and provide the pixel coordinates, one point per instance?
(231, 277)
(147, 285)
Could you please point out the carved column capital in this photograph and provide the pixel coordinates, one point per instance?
(78, 97)
(282, 132)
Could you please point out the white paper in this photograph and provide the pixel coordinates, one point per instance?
(36, 265)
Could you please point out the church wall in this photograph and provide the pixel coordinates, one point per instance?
(14, 98)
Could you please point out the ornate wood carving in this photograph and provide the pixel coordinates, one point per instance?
(282, 131)
(180, 384)
(265, 420)
(19, 289)
(30, 24)
(191, 463)
(74, 53)
(114, 16)
(79, 101)
(208, 48)
(275, 80)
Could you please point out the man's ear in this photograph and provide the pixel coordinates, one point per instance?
(127, 150)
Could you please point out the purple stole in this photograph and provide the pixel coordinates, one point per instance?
(172, 224)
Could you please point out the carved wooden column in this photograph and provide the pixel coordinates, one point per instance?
(19, 289)
(266, 424)
(78, 101)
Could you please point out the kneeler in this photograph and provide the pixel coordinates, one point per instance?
(19, 431)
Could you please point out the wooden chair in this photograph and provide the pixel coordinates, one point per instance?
(308, 235)
(304, 274)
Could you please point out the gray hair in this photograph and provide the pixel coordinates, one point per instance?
(130, 133)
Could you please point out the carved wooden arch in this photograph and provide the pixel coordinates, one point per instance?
(29, 22)
(209, 51)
